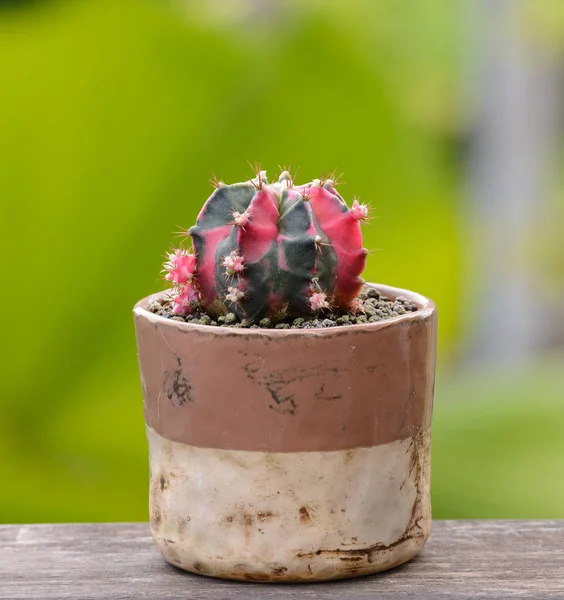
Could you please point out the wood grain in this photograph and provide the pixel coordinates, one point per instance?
(463, 559)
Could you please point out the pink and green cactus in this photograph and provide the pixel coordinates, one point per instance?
(271, 249)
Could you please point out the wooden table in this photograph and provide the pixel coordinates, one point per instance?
(463, 559)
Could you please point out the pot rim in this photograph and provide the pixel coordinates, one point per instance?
(426, 308)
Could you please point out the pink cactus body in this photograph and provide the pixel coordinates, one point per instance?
(342, 228)
(262, 249)
(185, 299)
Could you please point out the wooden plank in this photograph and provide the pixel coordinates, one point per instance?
(463, 559)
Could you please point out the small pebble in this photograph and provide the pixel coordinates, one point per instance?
(344, 320)
(282, 326)
(205, 320)
(372, 293)
(298, 322)
(177, 318)
(266, 322)
(361, 319)
(221, 319)
(374, 319)
(329, 323)
(230, 318)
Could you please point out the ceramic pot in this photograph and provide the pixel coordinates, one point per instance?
(289, 455)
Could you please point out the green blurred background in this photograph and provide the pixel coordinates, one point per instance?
(113, 116)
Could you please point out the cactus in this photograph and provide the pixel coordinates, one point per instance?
(275, 249)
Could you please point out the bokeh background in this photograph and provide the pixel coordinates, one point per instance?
(445, 116)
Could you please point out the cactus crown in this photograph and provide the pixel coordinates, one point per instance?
(266, 249)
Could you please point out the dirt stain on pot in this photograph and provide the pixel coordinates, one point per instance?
(177, 387)
(181, 524)
(264, 515)
(322, 394)
(283, 385)
(276, 573)
(419, 454)
(156, 517)
(305, 517)
(248, 520)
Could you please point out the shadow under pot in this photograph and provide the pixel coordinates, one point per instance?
(289, 455)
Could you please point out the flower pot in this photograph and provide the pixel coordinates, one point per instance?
(289, 455)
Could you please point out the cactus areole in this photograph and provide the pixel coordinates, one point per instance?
(265, 249)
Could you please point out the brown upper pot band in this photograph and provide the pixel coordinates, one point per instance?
(288, 390)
